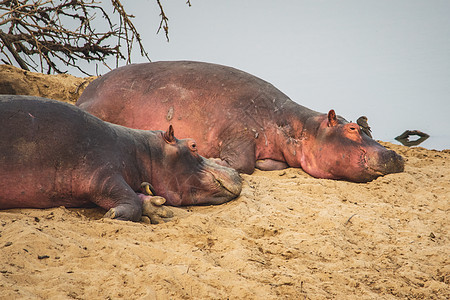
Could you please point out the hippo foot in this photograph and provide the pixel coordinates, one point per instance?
(153, 210)
(123, 213)
(110, 214)
(270, 165)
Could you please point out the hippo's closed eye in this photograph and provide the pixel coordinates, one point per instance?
(352, 128)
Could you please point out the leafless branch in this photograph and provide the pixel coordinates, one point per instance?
(127, 26)
(40, 28)
(164, 21)
(64, 32)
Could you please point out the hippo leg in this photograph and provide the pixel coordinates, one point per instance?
(239, 154)
(152, 207)
(122, 202)
(270, 165)
(127, 211)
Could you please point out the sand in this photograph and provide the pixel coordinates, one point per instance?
(63, 87)
(288, 236)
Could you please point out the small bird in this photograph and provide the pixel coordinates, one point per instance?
(362, 122)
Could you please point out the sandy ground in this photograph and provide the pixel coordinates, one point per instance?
(63, 87)
(288, 236)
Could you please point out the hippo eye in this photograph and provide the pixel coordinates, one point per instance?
(352, 128)
(193, 147)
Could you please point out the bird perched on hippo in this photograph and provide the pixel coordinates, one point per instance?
(365, 128)
(55, 154)
(239, 119)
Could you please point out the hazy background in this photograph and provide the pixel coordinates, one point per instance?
(386, 59)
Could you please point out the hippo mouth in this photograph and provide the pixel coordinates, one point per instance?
(375, 171)
(233, 189)
(226, 182)
(382, 163)
(369, 168)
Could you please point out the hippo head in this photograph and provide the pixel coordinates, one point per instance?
(335, 149)
(184, 177)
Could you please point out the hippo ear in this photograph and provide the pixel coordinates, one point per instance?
(169, 136)
(332, 120)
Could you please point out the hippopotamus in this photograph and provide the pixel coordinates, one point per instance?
(239, 119)
(55, 154)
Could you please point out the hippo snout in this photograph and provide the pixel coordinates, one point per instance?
(233, 186)
(227, 181)
(386, 162)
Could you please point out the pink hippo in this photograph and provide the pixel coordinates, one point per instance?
(241, 120)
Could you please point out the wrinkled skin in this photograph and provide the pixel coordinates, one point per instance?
(239, 120)
(53, 154)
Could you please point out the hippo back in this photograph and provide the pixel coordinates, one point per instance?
(45, 149)
(201, 100)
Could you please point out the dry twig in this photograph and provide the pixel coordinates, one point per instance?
(45, 34)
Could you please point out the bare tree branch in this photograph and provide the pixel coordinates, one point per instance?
(129, 26)
(164, 21)
(45, 34)
(13, 52)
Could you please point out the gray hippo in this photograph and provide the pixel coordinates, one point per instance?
(243, 121)
(54, 154)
